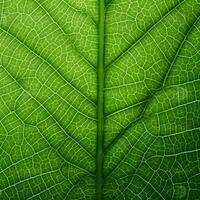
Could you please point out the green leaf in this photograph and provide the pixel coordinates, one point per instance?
(99, 99)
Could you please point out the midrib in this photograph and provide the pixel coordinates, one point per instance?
(100, 103)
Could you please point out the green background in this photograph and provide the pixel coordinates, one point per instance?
(49, 59)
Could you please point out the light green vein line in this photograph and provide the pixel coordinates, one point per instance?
(82, 12)
(63, 31)
(25, 45)
(30, 178)
(100, 103)
(46, 190)
(142, 115)
(144, 34)
(178, 51)
(47, 111)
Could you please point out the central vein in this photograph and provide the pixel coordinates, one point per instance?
(100, 103)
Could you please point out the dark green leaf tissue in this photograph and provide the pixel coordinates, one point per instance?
(99, 99)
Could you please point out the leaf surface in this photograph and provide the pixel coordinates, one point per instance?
(99, 99)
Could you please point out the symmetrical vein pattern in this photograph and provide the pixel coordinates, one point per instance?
(99, 99)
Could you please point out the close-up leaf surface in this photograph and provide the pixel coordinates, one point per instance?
(99, 99)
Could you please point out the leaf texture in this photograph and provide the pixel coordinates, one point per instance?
(99, 99)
